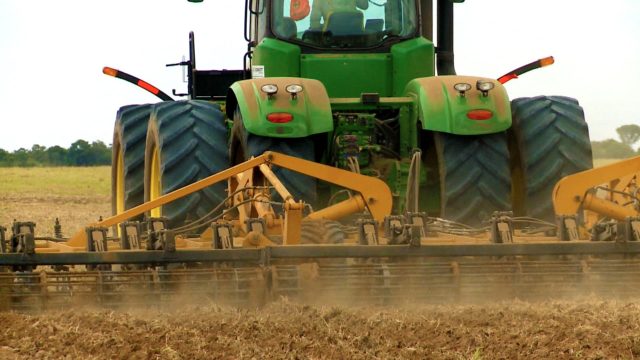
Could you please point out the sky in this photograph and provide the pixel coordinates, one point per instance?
(53, 92)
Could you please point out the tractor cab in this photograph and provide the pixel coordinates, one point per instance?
(326, 25)
(351, 46)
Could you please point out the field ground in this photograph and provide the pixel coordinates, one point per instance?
(587, 328)
(77, 196)
(558, 330)
(602, 162)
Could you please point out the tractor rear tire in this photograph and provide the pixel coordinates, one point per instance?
(186, 142)
(474, 175)
(549, 139)
(246, 145)
(127, 171)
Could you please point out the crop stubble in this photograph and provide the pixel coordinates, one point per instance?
(588, 329)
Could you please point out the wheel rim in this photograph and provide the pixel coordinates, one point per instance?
(155, 184)
(120, 182)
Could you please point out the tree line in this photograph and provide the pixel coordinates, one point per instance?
(80, 153)
(83, 153)
(613, 149)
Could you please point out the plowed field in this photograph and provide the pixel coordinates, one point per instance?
(585, 328)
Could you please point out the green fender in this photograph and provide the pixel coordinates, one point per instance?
(441, 108)
(311, 109)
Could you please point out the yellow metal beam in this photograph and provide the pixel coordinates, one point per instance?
(80, 238)
(375, 192)
(571, 191)
(292, 223)
(275, 182)
(607, 208)
(342, 209)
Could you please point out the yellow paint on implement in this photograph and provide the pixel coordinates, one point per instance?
(375, 192)
(376, 195)
(574, 191)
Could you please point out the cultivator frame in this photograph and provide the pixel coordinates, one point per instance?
(386, 259)
(325, 274)
(266, 256)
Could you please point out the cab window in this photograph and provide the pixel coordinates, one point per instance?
(343, 23)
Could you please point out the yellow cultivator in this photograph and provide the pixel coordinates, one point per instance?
(258, 249)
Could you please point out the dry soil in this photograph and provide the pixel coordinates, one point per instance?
(585, 328)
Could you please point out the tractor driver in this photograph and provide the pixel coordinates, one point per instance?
(324, 8)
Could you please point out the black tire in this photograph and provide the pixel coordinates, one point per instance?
(549, 139)
(245, 145)
(474, 176)
(321, 232)
(129, 137)
(191, 142)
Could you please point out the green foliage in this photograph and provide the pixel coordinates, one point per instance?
(80, 153)
(611, 149)
(629, 134)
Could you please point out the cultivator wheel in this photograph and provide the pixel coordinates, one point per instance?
(186, 142)
(474, 176)
(549, 140)
(127, 173)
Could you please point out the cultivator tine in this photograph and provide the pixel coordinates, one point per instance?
(472, 280)
(285, 280)
(148, 288)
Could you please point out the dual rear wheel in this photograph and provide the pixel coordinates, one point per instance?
(163, 147)
(166, 146)
(514, 170)
(127, 172)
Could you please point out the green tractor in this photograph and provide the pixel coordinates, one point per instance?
(362, 85)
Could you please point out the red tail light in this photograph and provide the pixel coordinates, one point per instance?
(480, 114)
(279, 118)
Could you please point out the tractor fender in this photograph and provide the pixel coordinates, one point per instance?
(310, 108)
(439, 107)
